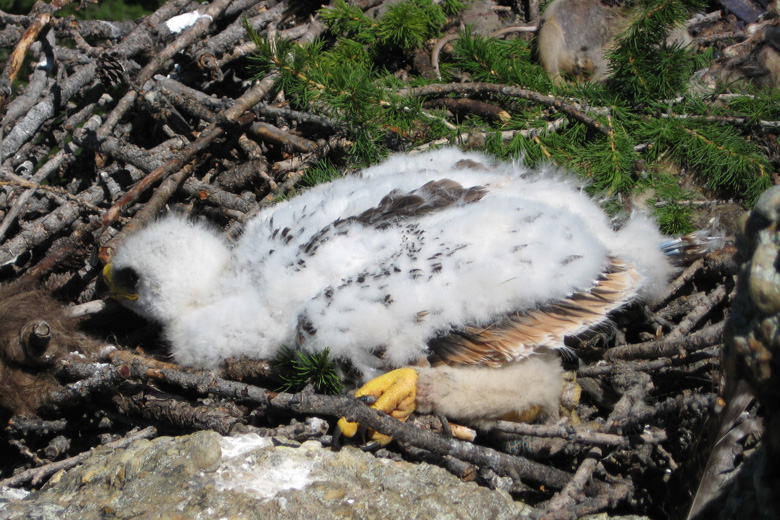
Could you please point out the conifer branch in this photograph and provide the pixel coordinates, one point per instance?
(344, 80)
(732, 120)
(505, 90)
(758, 164)
(542, 147)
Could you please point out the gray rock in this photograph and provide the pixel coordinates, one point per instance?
(205, 475)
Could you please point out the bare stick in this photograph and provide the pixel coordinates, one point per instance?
(36, 475)
(579, 434)
(573, 492)
(250, 98)
(504, 90)
(705, 337)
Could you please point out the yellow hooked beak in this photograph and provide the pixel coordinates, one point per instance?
(116, 290)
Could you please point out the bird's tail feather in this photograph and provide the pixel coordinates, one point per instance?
(696, 244)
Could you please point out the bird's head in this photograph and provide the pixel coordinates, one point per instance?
(168, 268)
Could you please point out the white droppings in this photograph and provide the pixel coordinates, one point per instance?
(239, 445)
(44, 64)
(183, 21)
(9, 494)
(105, 350)
(15, 493)
(246, 468)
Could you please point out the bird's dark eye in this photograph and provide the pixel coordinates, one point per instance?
(126, 278)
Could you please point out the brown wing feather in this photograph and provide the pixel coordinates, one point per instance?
(519, 333)
(396, 206)
(431, 196)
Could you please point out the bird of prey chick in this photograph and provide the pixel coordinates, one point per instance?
(463, 273)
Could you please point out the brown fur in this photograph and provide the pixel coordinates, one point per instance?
(755, 60)
(26, 372)
(574, 36)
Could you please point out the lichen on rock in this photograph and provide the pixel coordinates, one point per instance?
(205, 475)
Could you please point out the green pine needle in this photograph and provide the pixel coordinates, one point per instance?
(323, 171)
(723, 157)
(346, 19)
(499, 61)
(674, 219)
(299, 369)
(408, 24)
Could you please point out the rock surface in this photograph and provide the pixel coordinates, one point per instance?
(752, 354)
(205, 475)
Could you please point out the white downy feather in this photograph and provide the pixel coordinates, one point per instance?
(534, 237)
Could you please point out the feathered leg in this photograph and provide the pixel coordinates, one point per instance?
(476, 395)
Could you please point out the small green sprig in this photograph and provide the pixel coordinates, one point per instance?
(644, 66)
(405, 25)
(298, 369)
(323, 171)
(499, 61)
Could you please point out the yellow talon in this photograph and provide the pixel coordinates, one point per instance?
(525, 417)
(396, 395)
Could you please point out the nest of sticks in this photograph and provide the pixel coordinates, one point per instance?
(152, 119)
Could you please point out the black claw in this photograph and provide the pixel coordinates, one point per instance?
(335, 443)
(371, 446)
(338, 439)
(368, 399)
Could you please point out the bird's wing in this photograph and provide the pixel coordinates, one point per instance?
(284, 227)
(398, 206)
(389, 288)
(519, 333)
(469, 390)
